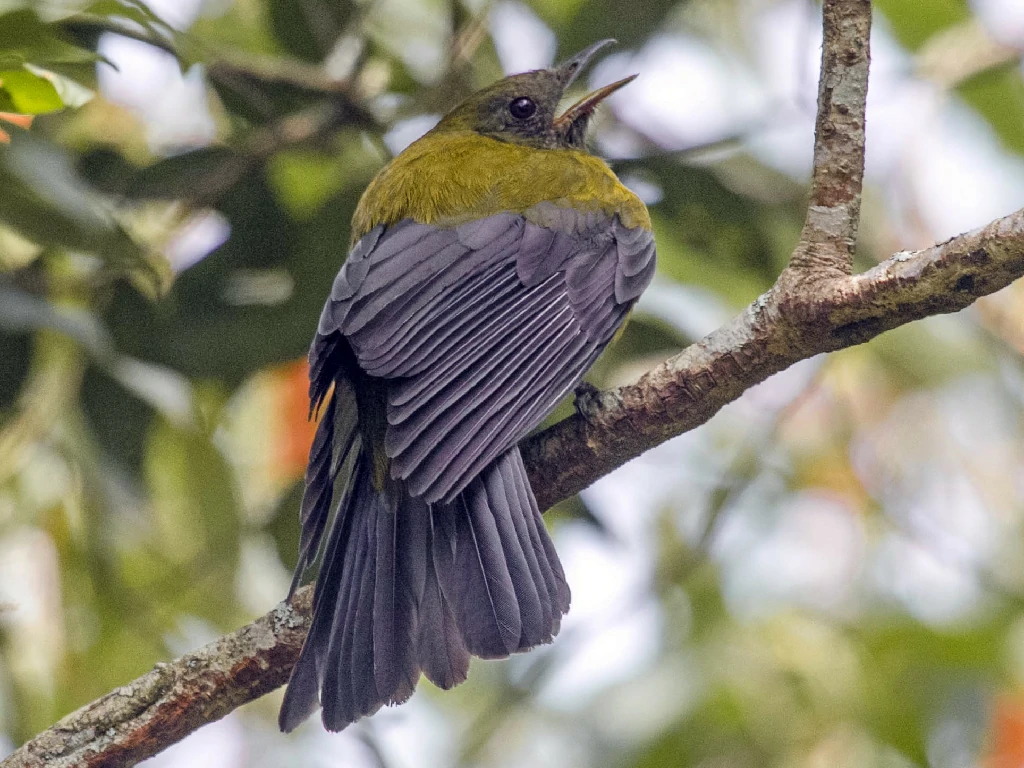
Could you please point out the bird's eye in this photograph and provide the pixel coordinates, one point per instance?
(522, 108)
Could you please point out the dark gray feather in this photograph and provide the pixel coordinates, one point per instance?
(301, 696)
(366, 698)
(447, 335)
(483, 233)
(394, 282)
(402, 547)
(453, 351)
(440, 650)
(629, 287)
(544, 550)
(437, 468)
(316, 500)
(542, 253)
(481, 381)
(513, 477)
(393, 351)
(502, 501)
(344, 570)
(483, 596)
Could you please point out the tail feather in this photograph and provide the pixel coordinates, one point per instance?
(402, 545)
(408, 587)
(540, 571)
(484, 597)
(334, 646)
(441, 653)
(363, 684)
(316, 501)
(301, 697)
(541, 544)
(496, 564)
(533, 629)
(335, 439)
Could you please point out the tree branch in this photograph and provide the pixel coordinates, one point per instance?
(833, 213)
(774, 332)
(785, 325)
(166, 704)
(816, 306)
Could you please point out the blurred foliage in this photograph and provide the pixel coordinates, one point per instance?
(832, 565)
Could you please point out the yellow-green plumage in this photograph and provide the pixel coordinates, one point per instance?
(449, 177)
(452, 176)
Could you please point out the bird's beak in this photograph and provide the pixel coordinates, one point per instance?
(585, 107)
(570, 68)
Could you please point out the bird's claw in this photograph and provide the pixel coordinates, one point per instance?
(588, 400)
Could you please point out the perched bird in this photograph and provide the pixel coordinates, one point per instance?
(491, 263)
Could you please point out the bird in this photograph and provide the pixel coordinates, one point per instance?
(491, 263)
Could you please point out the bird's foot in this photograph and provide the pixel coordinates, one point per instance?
(588, 401)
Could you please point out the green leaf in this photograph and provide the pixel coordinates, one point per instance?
(912, 670)
(23, 30)
(204, 172)
(128, 9)
(282, 525)
(578, 23)
(914, 22)
(308, 29)
(82, 29)
(24, 37)
(305, 179)
(16, 352)
(707, 233)
(22, 312)
(206, 328)
(195, 502)
(46, 201)
(29, 93)
(259, 96)
(119, 420)
(27, 39)
(998, 96)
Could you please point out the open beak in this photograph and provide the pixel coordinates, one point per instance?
(585, 107)
(569, 69)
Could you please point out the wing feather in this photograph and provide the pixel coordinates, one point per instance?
(431, 333)
(484, 381)
(482, 328)
(437, 472)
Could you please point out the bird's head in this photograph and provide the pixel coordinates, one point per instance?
(523, 109)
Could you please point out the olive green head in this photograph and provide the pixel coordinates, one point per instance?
(523, 108)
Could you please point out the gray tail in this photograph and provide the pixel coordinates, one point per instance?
(408, 588)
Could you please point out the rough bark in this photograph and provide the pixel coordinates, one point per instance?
(791, 322)
(166, 704)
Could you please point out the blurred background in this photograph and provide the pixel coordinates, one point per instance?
(829, 573)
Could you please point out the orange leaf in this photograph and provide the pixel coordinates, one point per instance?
(295, 431)
(22, 121)
(1006, 733)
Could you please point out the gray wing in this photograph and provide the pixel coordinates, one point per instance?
(483, 328)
